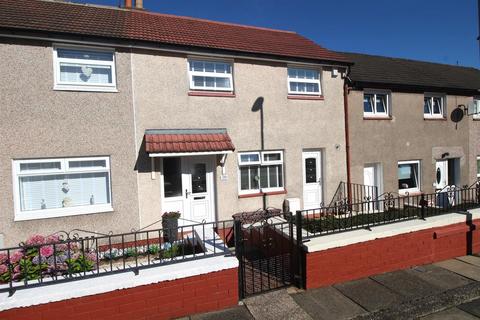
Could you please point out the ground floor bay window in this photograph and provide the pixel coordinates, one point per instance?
(408, 176)
(260, 172)
(47, 188)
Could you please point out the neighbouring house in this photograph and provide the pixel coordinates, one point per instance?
(112, 116)
(402, 135)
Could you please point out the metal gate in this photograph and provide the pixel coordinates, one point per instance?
(267, 250)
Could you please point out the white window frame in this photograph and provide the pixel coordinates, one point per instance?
(75, 86)
(314, 81)
(58, 212)
(260, 163)
(419, 178)
(478, 173)
(374, 112)
(476, 101)
(443, 100)
(191, 74)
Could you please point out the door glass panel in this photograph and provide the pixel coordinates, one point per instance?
(199, 178)
(439, 175)
(172, 177)
(310, 170)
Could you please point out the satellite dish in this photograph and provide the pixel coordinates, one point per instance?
(456, 115)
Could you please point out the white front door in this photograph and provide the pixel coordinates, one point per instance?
(188, 187)
(198, 185)
(312, 179)
(441, 174)
(371, 186)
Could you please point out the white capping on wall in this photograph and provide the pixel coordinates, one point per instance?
(98, 285)
(389, 230)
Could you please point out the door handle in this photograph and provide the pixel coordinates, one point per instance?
(187, 193)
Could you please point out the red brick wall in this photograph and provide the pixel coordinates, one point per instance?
(165, 300)
(387, 254)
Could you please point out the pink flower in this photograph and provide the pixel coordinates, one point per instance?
(16, 256)
(61, 247)
(35, 240)
(46, 251)
(3, 268)
(3, 257)
(52, 239)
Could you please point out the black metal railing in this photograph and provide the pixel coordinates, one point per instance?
(67, 256)
(387, 209)
(353, 192)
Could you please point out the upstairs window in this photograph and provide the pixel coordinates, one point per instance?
(210, 75)
(84, 69)
(376, 104)
(304, 81)
(260, 172)
(433, 106)
(47, 188)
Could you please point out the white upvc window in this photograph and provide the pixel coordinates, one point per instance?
(210, 75)
(304, 81)
(376, 104)
(48, 188)
(79, 68)
(478, 166)
(434, 106)
(476, 104)
(409, 176)
(260, 172)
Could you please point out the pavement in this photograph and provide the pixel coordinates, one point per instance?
(445, 290)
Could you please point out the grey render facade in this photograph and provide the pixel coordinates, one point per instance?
(74, 157)
(410, 144)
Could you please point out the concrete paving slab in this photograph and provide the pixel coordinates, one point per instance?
(439, 277)
(369, 294)
(470, 259)
(472, 307)
(275, 305)
(237, 313)
(327, 304)
(406, 284)
(462, 268)
(450, 314)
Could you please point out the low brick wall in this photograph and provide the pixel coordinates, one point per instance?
(364, 259)
(164, 300)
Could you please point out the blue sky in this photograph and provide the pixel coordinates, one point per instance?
(442, 31)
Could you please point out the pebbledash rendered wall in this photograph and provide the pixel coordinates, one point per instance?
(339, 258)
(37, 121)
(162, 100)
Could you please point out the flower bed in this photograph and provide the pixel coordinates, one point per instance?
(43, 256)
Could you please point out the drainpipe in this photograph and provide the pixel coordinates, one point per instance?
(347, 138)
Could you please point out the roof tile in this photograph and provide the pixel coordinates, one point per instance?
(111, 22)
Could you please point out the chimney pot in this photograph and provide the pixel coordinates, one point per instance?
(139, 4)
(128, 4)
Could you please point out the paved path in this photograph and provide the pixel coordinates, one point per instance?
(445, 290)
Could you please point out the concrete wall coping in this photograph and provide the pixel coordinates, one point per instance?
(98, 285)
(357, 236)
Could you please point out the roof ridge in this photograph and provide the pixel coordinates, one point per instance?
(137, 11)
(407, 59)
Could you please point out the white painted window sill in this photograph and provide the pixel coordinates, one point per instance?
(84, 88)
(61, 212)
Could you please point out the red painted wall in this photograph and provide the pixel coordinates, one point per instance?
(364, 259)
(164, 300)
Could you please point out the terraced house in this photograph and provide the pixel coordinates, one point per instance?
(125, 114)
(403, 136)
